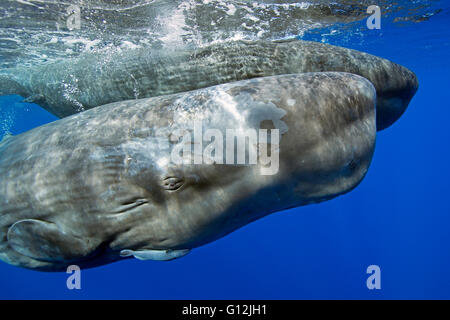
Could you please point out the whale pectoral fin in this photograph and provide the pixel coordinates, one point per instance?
(159, 255)
(35, 98)
(44, 241)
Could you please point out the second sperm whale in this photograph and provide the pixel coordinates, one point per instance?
(73, 85)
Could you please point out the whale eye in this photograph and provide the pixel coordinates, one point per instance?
(172, 183)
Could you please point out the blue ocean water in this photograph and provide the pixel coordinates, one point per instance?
(398, 218)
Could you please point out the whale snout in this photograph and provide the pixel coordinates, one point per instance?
(393, 102)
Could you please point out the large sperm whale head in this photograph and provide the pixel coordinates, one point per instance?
(401, 84)
(395, 84)
(326, 125)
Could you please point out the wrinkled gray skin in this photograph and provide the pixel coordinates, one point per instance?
(71, 86)
(95, 187)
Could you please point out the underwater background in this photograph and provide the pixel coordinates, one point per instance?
(398, 218)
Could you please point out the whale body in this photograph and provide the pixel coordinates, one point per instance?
(73, 85)
(97, 187)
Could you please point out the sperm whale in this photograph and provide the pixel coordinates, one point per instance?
(73, 85)
(97, 187)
